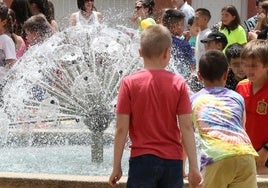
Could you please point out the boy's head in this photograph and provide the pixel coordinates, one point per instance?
(213, 66)
(37, 29)
(174, 20)
(215, 41)
(233, 53)
(255, 60)
(202, 17)
(155, 40)
(256, 49)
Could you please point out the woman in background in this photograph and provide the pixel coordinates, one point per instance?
(143, 13)
(86, 15)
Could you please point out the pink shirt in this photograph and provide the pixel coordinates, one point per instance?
(153, 99)
(21, 50)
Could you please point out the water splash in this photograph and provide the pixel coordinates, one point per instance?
(74, 75)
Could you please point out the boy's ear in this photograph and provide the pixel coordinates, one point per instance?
(167, 52)
(225, 75)
(199, 76)
(140, 52)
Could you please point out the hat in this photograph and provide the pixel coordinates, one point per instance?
(216, 36)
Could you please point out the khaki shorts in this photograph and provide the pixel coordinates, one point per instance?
(233, 172)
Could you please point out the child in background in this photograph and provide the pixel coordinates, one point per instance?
(151, 103)
(236, 73)
(181, 50)
(22, 12)
(255, 92)
(7, 45)
(193, 31)
(20, 45)
(201, 18)
(215, 41)
(231, 26)
(227, 155)
(37, 29)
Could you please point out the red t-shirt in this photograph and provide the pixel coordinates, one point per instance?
(256, 112)
(153, 99)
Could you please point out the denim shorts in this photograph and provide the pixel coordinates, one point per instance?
(150, 171)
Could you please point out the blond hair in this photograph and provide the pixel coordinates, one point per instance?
(256, 49)
(155, 39)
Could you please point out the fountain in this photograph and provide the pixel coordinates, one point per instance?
(72, 77)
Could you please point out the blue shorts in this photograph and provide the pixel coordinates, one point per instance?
(150, 171)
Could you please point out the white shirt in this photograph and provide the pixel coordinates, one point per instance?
(81, 20)
(7, 49)
(189, 12)
(199, 46)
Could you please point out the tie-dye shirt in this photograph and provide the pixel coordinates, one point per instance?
(218, 116)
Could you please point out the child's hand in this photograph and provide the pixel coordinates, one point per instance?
(115, 177)
(195, 178)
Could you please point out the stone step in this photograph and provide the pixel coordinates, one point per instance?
(21, 180)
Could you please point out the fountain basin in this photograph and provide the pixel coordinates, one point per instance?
(15, 180)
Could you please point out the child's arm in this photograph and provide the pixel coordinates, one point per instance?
(122, 126)
(187, 130)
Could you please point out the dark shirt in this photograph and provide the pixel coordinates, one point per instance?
(231, 82)
(182, 55)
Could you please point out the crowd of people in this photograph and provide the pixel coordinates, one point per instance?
(224, 66)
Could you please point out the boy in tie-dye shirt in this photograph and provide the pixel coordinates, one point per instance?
(227, 157)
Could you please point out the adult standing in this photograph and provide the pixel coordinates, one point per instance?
(143, 13)
(87, 14)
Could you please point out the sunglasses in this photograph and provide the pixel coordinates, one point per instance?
(137, 7)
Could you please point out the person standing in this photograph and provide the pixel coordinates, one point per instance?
(143, 14)
(181, 50)
(7, 45)
(235, 73)
(202, 17)
(231, 26)
(254, 90)
(227, 154)
(150, 104)
(86, 15)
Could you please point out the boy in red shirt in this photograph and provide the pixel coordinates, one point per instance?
(150, 104)
(255, 93)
